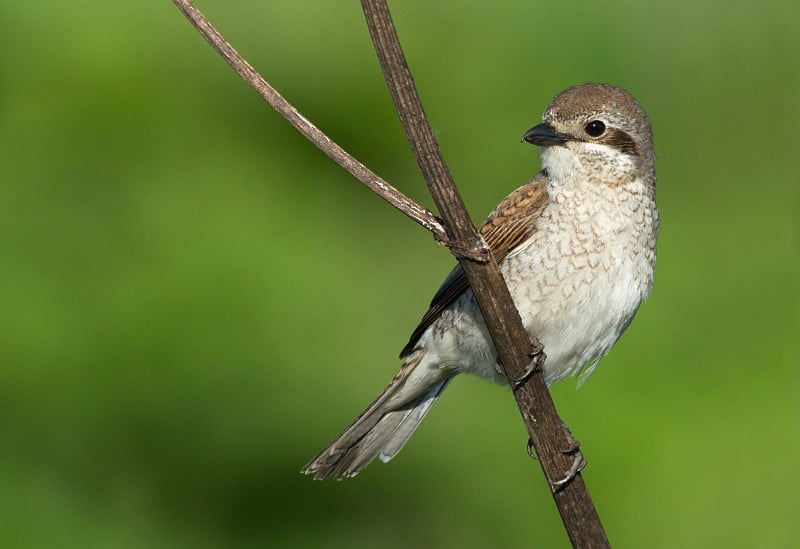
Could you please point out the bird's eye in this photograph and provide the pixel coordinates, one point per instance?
(595, 128)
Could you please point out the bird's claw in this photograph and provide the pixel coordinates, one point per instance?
(578, 464)
(532, 367)
(530, 449)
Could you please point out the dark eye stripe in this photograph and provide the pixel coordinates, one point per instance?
(620, 140)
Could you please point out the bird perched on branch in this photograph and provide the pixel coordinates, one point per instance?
(577, 248)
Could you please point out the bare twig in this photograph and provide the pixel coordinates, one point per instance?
(418, 213)
(520, 354)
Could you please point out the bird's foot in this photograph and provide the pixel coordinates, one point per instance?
(534, 364)
(578, 462)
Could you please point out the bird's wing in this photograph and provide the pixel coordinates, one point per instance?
(507, 227)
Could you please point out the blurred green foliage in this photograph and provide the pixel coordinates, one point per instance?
(195, 300)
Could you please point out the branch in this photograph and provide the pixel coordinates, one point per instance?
(514, 345)
(418, 213)
(553, 443)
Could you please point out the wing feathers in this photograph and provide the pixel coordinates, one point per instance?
(508, 226)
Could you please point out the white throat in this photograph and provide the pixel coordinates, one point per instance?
(580, 163)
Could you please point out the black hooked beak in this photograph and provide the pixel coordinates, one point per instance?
(545, 136)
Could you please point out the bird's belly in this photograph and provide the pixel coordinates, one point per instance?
(579, 306)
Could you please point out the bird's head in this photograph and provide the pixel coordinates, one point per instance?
(595, 132)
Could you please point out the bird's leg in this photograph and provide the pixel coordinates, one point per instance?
(535, 363)
(578, 462)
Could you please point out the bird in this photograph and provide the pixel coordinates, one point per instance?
(577, 248)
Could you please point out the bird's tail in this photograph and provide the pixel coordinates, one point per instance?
(385, 426)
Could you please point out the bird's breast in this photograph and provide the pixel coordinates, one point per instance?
(580, 279)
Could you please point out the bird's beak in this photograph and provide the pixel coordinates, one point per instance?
(545, 136)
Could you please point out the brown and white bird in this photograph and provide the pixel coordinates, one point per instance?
(577, 248)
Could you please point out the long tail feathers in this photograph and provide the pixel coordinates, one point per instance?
(379, 431)
(409, 422)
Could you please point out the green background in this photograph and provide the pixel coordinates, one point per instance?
(195, 300)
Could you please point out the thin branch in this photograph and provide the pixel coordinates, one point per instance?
(519, 353)
(418, 213)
